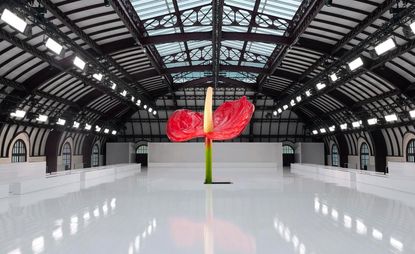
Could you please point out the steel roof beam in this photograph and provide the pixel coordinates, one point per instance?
(217, 17)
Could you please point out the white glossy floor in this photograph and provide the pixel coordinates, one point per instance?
(170, 211)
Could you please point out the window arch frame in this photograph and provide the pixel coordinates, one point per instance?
(410, 146)
(67, 156)
(19, 154)
(364, 155)
(145, 151)
(288, 151)
(95, 156)
(335, 156)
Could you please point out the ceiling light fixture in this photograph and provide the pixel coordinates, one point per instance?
(113, 85)
(391, 118)
(279, 110)
(298, 98)
(14, 21)
(97, 76)
(154, 112)
(332, 128)
(78, 62)
(61, 121)
(308, 93)
(114, 132)
(343, 126)
(320, 86)
(76, 125)
(124, 93)
(42, 118)
(322, 130)
(285, 107)
(372, 121)
(97, 128)
(333, 77)
(88, 127)
(385, 46)
(18, 113)
(54, 46)
(353, 65)
(315, 132)
(356, 124)
(106, 131)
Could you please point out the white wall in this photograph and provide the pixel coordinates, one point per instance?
(310, 153)
(222, 153)
(119, 153)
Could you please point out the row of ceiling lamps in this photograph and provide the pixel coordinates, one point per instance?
(379, 50)
(20, 25)
(357, 124)
(20, 114)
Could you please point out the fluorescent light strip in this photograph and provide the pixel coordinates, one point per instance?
(385, 46)
(18, 113)
(42, 118)
(412, 26)
(14, 21)
(391, 118)
(54, 46)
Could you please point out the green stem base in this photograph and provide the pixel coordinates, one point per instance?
(208, 161)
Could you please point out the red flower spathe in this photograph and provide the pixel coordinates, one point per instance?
(229, 120)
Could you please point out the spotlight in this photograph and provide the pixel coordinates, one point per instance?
(132, 98)
(391, 118)
(42, 118)
(320, 86)
(145, 107)
(154, 112)
(114, 132)
(113, 85)
(88, 127)
(356, 124)
(97, 76)
(333, 77)
(18, 113)
(275, 113)
(61, 122)
(412, 113)
(315, 132)
(292, 103)
(14, 21)
(76, 125)
(298, 98)
(285, 107)
(78, 62)
(385, 46)
(106, 131)
(150, 110)
(353, 65)
(343, 126)
(107, 3)
(124, 93)
(55, 47)
(97, 128)
(372, 121)
(308, 93)
(138, 102)
(279, 110)
(332, 128)
(322, 130)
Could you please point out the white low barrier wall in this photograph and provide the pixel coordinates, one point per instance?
(17, 171)
(401, 168)
(389, 186)
(87, 177)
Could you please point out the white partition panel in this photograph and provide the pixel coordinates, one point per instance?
(401, 168)
(16, 171)
(120, 153)
(242, 154)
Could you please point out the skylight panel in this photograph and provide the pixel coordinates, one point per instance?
(147, 9)
(170, 48)
(189, 4)
(280, 8)
(261, 48)
(243, 4)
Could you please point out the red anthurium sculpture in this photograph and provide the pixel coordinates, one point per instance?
(227, 122)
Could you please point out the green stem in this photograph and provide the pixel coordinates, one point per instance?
(208, 158)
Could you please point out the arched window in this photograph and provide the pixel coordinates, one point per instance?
(19, 152)
(143, 149)
(286, 149)
(410, 151)
(334, 155)
(364, 156)
(67, 156)
(95, 156)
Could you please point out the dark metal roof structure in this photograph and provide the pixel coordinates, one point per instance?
(165, 53)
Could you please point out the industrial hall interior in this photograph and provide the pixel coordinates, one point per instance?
(207, 126)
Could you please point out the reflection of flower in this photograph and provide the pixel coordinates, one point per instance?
(229, 120)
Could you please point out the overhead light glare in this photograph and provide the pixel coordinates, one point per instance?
(343, 126)
(292, 103)
(88, 127)
(320, 86)
(298, 98)
(154, 112)
(285, 107)
(132, 98)
(14, 21)
(78, 62)
(279, 110)
(114, 132)
(150, 110)
(18, 113)
(412, 113)
(54, 46)
(138, 102)
(391, 118)
(61, 121)
(113, 85)
(332, 128)
(97, 76)
(372, 121)
(385, 46)
(353, 65)
(315, 132)
(145, 107)
(275, 113)
(322, 130)
(106, 131)
(97, 128)
(124, 93)
(308, 93)
(42, 118)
